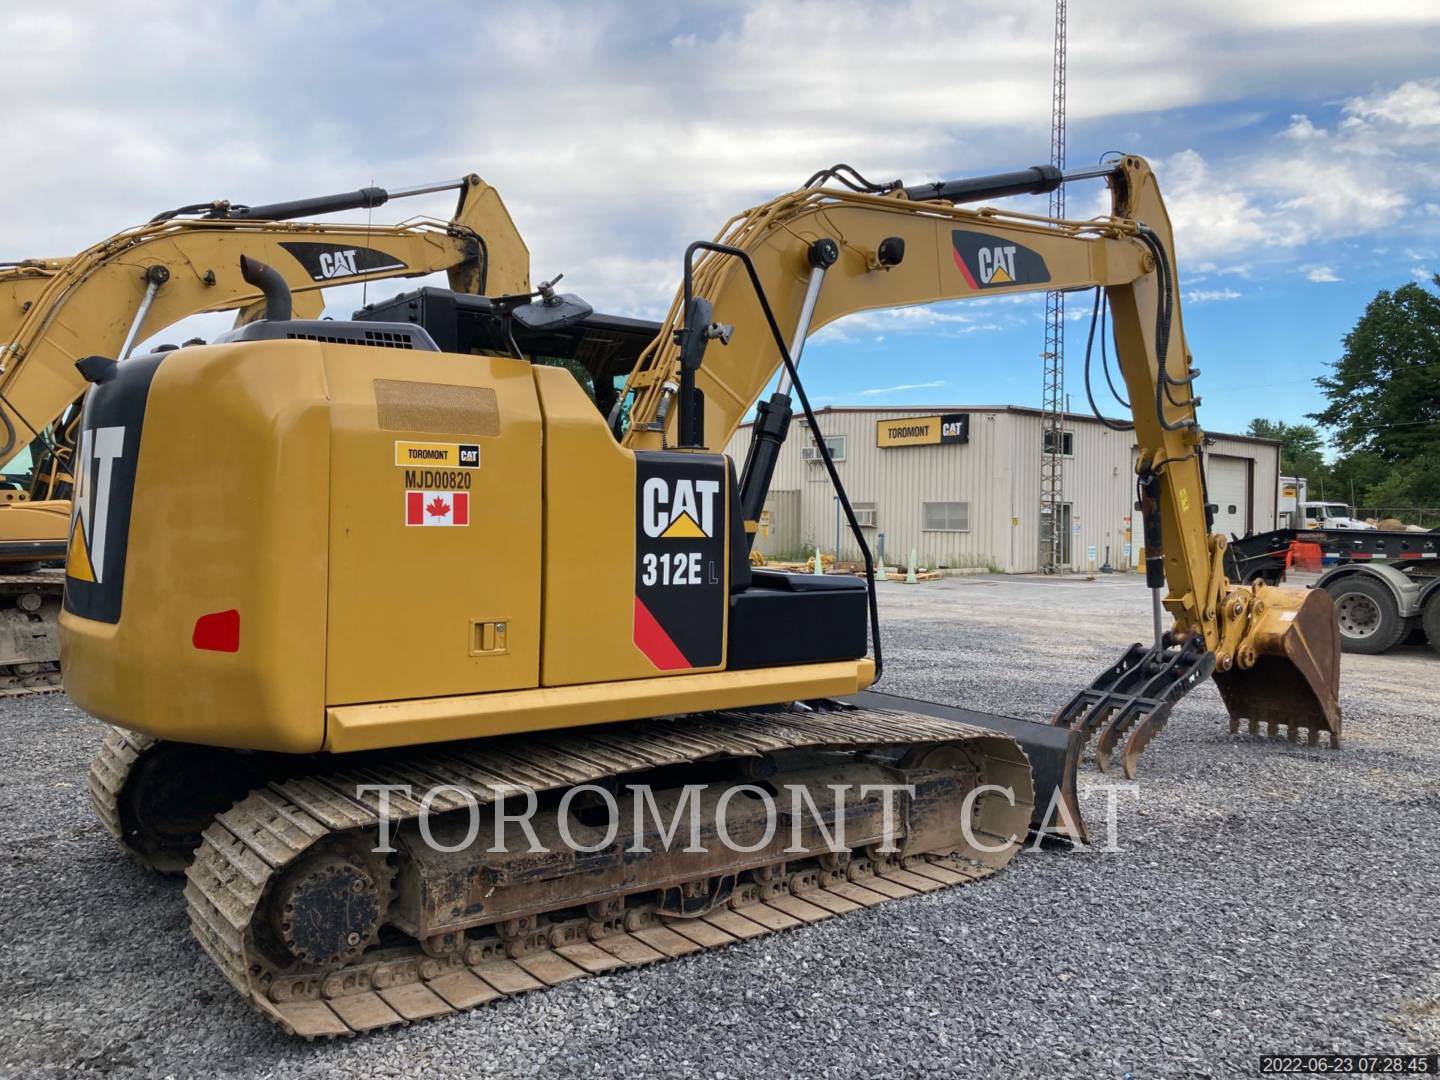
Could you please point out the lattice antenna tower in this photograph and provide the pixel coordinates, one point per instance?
(1052, 458)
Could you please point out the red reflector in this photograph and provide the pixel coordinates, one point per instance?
(219, 631)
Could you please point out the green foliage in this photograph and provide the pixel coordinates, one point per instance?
(575, 367)
(1415, 482)
(1361, 472)
(1384, 401)
(1301, 452)
(1383, 410)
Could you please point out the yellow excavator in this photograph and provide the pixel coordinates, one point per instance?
(341, 600)
(133, 285)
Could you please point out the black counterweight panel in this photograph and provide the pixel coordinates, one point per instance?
(681, 504)
(107, 453)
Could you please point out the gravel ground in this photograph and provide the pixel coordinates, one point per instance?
(1264, 897)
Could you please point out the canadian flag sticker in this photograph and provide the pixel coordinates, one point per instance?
(437, 508)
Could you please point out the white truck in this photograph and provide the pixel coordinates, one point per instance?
(1298, 511)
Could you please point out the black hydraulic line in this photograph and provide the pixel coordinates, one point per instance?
(1104, 353)
(854, 181)
(9, 433)
(9, 443)
(191, 208)
(748, 263)
(1164, 311)
(484, 259)
(1089, 345)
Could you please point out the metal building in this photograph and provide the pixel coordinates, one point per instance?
(960, 486)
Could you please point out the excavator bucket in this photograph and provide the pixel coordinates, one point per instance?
(1288, 668)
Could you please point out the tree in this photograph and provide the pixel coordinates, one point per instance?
(1385, 391)
(1362, 473)
(1300, 447)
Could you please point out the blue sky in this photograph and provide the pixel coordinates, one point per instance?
(1297, 144)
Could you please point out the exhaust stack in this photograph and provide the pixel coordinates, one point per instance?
(268, 280)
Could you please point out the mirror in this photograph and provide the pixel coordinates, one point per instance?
(554, 313)
(692, 348)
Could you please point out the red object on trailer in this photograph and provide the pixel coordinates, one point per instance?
(1305, 555)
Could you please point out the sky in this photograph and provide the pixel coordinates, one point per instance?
(1297, 145)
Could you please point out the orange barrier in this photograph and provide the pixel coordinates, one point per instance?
(1305, 556)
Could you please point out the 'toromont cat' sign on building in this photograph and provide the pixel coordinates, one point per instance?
(922, 430)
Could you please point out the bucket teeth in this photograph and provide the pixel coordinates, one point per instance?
(1293, 731)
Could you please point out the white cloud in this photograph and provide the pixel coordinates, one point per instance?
(1320, 273)
(878, 391)
(1302, 130)
(1310, 185)
(1212, 215)
(1206, 296)
(618, 137)
(929, 319)
(1421, 273)
(1412, 105)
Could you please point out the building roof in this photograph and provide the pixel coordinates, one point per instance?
(1025, 410)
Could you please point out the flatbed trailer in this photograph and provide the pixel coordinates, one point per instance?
(1386, 585)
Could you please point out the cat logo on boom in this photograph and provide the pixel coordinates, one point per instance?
(325, 262)
(99, 449)
(681, 509)
(987, 261)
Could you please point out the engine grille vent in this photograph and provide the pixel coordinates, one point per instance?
(383, 339)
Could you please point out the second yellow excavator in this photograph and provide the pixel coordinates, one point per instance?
(398, 601)
(140, 281)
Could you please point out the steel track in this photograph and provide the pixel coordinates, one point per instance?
(248, 846)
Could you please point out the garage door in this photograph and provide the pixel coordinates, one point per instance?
(1228, 479)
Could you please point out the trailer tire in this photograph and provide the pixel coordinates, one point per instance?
(1430, 620)
(1368, 617)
